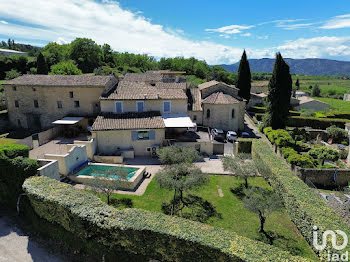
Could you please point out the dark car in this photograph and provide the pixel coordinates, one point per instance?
(218, 134)
(245, 135)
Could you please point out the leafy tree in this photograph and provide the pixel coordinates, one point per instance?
(41, 67)
(106, 70)
(241, 165)
(55, 53)
(65, 68)
(108, 181)
(262, 202)
(297, 84)
(107, 55)
(337, 134)
(176, 155)
(181, 177)
(278, 99)
(316, 91)
(13, 73)
(86, 53)
(244, 78)
(324, 153)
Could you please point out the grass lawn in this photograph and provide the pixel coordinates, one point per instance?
(233, 215)
(336, 104)
(8, 140)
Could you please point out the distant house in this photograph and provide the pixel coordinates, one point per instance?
(346, 97)
(301, 93)
(259, 87)
(9, 52)
(311, 104)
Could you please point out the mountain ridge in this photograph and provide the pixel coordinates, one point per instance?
(307, 66)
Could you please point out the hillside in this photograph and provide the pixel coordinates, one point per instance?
(309, 66)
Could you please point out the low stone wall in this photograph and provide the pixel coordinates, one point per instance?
(204, 147)
(109, 159)
(28, 141)
(91, 147)
(46, 136)
(128, 153)
(49, 168)
(315, 132)
(324, 178)
(75, 157)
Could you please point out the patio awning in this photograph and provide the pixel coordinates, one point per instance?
(178, 121)
(68, 121)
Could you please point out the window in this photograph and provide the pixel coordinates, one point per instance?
(36, 103)
(76, 104)
(119, 107)
(16, 103)
(143, 135)
(19, 123)
(34, 89)
(166, 106)
(14, 88)
(208, 113)
(233, 113)
(71, 95)
(140, 106)
(59, 104)
(194, 118)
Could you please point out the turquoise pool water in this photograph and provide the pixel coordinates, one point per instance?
(100, 171)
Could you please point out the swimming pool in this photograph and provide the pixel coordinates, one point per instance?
(100, 171)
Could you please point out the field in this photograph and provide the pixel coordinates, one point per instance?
(329, 85)
(229, 212)
(336, 104)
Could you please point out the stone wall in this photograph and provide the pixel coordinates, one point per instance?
(324, 178)
(28, 141)
(48, 135)
(91, 147)
(49, 168)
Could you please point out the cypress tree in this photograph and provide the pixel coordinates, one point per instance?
(244, 78)
(278, 99)
(41, 65)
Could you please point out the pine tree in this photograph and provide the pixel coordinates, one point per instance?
(297, 84)
(42, 68)
(278, 99)
(244, 78)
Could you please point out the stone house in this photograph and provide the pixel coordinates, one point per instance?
(311, 104)
(35, 101)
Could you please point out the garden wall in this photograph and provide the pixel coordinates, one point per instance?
(28, 141)
(324, 178)
(46, 136)
(91, 147)
(49, 168)
(141, 232)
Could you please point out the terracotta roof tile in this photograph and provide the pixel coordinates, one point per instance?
(220, 98)
(63, 80)
(129, 120)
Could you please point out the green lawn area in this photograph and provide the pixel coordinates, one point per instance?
(336, 104)
(8, 140)
(233, 214)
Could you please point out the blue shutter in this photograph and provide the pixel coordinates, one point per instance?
(152, 135)
(134, 135)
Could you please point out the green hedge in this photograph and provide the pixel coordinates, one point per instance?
(244, 145)
(317, 123)
(154, 235)
(305, 208)
(13, 150)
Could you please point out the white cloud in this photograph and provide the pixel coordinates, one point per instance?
(316, 47)
(341, 21)
(263, 37)
(246, 34)
(225, 36)
(230, 29)
(294, 26)
(3, 22)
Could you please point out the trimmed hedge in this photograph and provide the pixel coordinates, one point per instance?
(305, 208)
(154, 235)
(244, 145)
(14, 169)
(317, 123)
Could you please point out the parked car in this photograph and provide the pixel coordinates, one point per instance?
(245, 135)
(218, 134)
(231, 136)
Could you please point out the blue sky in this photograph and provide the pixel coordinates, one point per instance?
(216, 31)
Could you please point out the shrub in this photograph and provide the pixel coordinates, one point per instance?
(280, 137)
(337, 134)
(257, 109)
(304, 160)
(305, 208)
(317, 123)
(343, 154)
(324, 153)
(154, 235)
(13, 150)
(288, 151)
(12, 74)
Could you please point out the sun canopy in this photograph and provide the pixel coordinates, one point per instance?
(68, 121)
(178, 121)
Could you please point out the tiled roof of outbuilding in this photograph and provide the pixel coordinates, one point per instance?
(220, 98)
(63, 80)
(129, 120)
